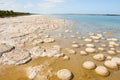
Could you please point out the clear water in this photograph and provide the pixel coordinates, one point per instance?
(93, 23)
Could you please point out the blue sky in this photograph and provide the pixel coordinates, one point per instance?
(63, 6)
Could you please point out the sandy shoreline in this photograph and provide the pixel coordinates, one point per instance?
(37, 47)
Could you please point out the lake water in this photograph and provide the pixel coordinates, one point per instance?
(94, 23)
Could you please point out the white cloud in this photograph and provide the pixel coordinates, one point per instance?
(55, 1)
(47, 4)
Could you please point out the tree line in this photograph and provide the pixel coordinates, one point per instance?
(9, 13)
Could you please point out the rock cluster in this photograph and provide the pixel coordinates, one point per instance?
(15, 57)
(49, 51)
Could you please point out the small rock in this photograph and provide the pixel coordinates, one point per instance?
(90, 45)
(113, 49)
(71, 51)
(111, 64)
(95, 37)
(100, 35)
(37, 41)
(75, 46)
(83, 53)
(118, 51)
(111, 52)
(72, 36)
(90, 50)
(66, 57)
(89, 65)
(108, 57)
(103, 45)
(67, 31)
(64, 74)
(74, 42)
(99, 57)
(48, 40)
(113, 39)
(101, 49)
(102, 71)
(96, 41)
(111, 46)
(81, 45)
(88, 40)
(116, 60)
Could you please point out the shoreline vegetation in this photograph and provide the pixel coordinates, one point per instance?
(11, 13)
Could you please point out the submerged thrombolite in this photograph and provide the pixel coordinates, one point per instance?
(33, 45)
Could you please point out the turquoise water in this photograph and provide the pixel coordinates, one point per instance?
(93, 23)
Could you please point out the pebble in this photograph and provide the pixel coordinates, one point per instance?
(48, 40)
(67, 31)
(64, 74)
(116, 60)
(66, 57)
(113, 39)
(118, 51)
(102, 71)
(108, 57)
(99, 57)
(74, 42)
(71, 51)
(88, 40)
(101, 49)
(111, 52)
(103, 45)
(90, 45)
(75, 46)
(90, 50)
(72, 36)
(83, 53)
(89, 65)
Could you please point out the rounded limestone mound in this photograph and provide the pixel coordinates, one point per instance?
(99, 57)
(88, 40)
(116, 60)
(90, 45)
(111, 52)
(89, 65)
(75, 45)
(83, 53)
(64, 74)
(102, 71)
(111, 64)
(101, 49)
(90, 50)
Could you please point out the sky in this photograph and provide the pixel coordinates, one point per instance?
(62, 6)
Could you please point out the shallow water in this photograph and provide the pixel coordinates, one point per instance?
(92, 23)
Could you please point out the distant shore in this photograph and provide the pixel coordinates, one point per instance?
(11, 13)
(90, 14)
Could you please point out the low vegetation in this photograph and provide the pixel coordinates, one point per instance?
(9, 13)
